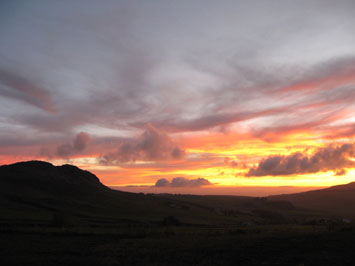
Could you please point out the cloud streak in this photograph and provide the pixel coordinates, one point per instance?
(19, 88)
(233, 87)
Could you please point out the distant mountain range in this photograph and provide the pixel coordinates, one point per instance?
(38, 192)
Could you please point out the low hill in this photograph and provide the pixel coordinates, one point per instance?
(337, 200)
(38, 191)
(62, 215)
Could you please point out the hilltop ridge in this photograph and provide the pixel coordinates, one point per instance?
(37, 190)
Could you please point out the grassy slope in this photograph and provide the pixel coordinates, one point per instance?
(38, 190)
(337, 200)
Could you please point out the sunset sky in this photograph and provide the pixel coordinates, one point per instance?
(182, 94)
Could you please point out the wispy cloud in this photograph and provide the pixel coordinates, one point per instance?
(234, 87)
(22, 89)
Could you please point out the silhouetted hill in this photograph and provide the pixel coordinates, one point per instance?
(47, 178)
(62, 215)
(336, 200)
(39, 191)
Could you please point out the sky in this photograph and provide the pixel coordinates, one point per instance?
(181, 94)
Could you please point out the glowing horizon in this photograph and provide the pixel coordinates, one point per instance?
(137, 92)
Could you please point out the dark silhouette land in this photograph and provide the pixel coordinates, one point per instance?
(62, 215)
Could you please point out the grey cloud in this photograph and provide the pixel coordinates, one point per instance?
(79, 144)
(117, 81)
(127, 60)
(228, 161)
(80, 141)
(125, 64)
(182, 182)
(162, 183)
(152, 145)
(331, 158)
(343, 66)
(19, 88)
(340, 172)
(45, 152)
(235, 95)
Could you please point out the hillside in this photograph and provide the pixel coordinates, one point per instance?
(41, 193)
(337, 200)
(38, 191)
(62, 215)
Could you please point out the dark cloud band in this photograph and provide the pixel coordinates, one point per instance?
(182, 182)
(331, 158)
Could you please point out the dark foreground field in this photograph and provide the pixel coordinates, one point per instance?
(62, 215)
(176, 245)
